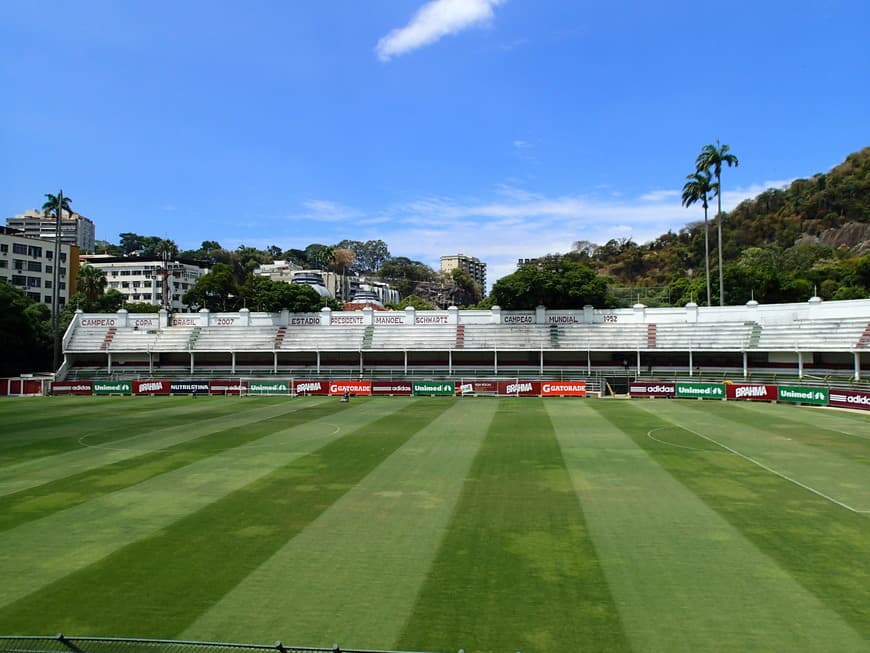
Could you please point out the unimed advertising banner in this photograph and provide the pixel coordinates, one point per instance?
(849, 399)
(112, 387)
(150, 387)
(268, 387)
(751, 391)
(803, 395)
(352, 387)
(521, 388)
(700, 390)
(433, 387)
(400, 388)
(563, 389)
(310, 387)
(653, 389)
(71, 388)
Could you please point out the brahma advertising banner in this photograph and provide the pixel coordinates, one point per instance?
(400, 388)
(151, 387)
(310, 387)
(474, 387)
(652, 389)
(803, 395)
(849, 399)
(189, 387)
(520, 388)
(268, 387)
(227, 387)
(352, 387)
(71, 388)
(113, 387)
(433, 388)
(751, 391)
(563, 388)
(700, 390)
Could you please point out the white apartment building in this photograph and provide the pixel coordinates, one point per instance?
(27, 263)
(75, 229)
(143, 279)
(470, 264)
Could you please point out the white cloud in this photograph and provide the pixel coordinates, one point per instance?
(326, 211)
(434, 20)
(660, 195)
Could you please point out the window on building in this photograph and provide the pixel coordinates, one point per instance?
(33, 250)
(19, 280)
(18, 248)
(34, 266)
(34, 282)
(62, 285)
(137, 284)
(4, 248)
(125, 284)
(62, 271)
(125, 273)
(49, 254)
(4, 264)
(114, 273)
(18, 264)
(34, 296)
(48, 269)
(63, 257)
(47, 283)
(48, 299)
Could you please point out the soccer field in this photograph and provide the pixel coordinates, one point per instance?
(438, 523)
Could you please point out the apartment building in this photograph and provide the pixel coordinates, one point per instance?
(470, 264)
(27, 263)
(75, 229)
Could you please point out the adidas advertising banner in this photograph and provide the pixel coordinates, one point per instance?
(563, 388)
(71, 388)
(803, 395)
(521, 388)
(700, 391)
(112, 387)
(751, 391)
(268, 387)
(433, 388)
(400, 388)
(150, 387)
(310, 387)
(652, 389)
(227, 387)
(352, 387)
(849, 399)
(189, 387)
(473, 387)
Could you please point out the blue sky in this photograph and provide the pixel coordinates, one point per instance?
(496, 128)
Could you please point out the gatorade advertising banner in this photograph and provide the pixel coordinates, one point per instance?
(563, 388)
(751, 391)
(268, 387)
(473, 387)
(849, 399)
(113, 387)
(310, 387)
(227, 387)
(521, 388)
(803, 395)
(400, 388)
(700, 391)
(353, 387)
(433, 388)
(189, 387)
(71, 388)
(652, 389)
(150, 387)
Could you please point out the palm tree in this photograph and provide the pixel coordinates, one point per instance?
(55, 205)
(91, 283)
(698, 189)
(712, 157)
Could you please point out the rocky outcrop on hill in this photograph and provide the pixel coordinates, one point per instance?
(854, 236)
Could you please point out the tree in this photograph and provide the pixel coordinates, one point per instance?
(216, 291)
(465, 290)
(553, 281)
(713, 156)
(412, 300)
(24, 332)
(91, 282)
(55, 205)
(697, 189)
(264, 294)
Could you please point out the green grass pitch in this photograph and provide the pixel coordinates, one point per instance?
(438, 524)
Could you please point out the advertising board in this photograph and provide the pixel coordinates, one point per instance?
(652, 389)
(72, 388)
(432, 388)
(475, 387)
(150, 387)
(310, 387)
(803, 395)
(189, 387)
(849, 399)
(521, 388)
(700, 391)
(353, 387)
(751, 392)
(563, 388)
(112, 387)
(401, 388)
(227, 387)
(268, 387)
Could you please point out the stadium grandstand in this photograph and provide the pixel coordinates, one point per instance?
(817, 338)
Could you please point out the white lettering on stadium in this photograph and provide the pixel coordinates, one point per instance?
(389, 319)
(796, 394)
(518, 387)
(303, 321)
(561, 319)
(98, 322)
(652, 389)
(315, 386)
(562, 387)
(184, 321)
(750, 391)
(151, 387)
(864, 400)
(346, 319)
(430, 319)
(519, 319)
(350, 387)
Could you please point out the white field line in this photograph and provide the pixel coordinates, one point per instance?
(650, 435)
(780, 474)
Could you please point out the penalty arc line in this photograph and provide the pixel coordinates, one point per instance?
(780, 474)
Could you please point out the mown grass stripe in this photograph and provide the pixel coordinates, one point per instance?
(42, 551)
(366, 557)
(92, 452)
(191, 567)
(51, 497)
(684, 578)
(824, 547)
(516, 570)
